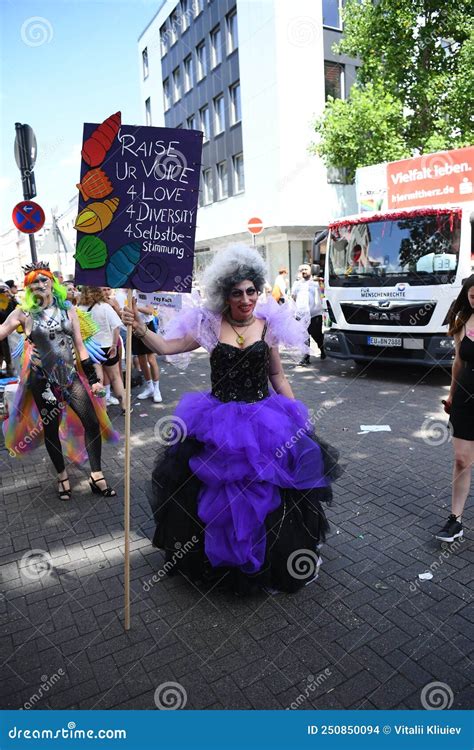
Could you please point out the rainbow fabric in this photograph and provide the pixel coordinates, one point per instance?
(23, 430)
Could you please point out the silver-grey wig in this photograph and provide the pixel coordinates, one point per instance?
(228, 268)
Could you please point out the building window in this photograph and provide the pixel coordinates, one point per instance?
(231, 24)
(191, 123)
(166, 93)
(145, 62)
(188, 73)
(222, 183)
(201, 61)
(238, 173)
(332, 13)
(185, 13)
(197, 7)
(163, 40)
(148, 111)
(235, 111)
(219, 114)
(207, 186)
(174, 26)
(176, 84)
(333, 80)
(216, 47)
(204, 122)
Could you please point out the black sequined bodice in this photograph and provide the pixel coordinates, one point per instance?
(240, 374)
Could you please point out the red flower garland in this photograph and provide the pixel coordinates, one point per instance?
(451, 212)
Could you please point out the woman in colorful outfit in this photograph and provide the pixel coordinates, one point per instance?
(238, 499)
(58, 384)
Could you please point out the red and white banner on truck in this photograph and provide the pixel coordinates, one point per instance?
(445, 177)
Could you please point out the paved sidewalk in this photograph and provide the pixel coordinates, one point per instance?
(367, 634)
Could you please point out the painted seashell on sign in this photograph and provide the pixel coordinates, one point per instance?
(95, 184)
(91, 252)
(96, 216)
(151, 273)
(96, 146)
(122, 264)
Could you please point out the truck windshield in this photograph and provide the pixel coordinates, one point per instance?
(418, 249)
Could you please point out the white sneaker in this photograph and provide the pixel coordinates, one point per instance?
(148, 391)
(156, 394)
(111, 401)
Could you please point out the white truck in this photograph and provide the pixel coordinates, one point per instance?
(391, 277)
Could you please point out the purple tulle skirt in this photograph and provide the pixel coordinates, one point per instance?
(248, 453)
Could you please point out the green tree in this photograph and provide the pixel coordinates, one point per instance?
(413, 91)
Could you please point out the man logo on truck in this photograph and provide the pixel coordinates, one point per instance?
(384, 316)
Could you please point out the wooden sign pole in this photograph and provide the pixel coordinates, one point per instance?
(126, 525)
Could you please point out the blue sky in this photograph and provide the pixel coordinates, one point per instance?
(84, 69)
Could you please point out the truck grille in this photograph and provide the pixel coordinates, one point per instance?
(417, 314)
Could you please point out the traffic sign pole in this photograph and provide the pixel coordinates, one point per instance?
(34, 254)
(25, 142)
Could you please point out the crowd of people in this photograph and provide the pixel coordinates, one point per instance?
(239, 485)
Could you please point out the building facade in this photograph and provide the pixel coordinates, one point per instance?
(252, 75)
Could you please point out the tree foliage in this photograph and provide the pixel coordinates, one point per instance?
(413, 91)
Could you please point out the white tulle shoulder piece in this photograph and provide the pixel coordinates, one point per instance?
(284, 328)
(194, 319)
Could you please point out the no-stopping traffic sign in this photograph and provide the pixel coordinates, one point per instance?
(28, 217)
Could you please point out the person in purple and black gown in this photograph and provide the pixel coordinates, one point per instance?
(238, 493)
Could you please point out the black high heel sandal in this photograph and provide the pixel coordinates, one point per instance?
(106, 492)
(62, 492)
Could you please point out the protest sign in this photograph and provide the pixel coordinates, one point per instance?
(139, 191)
(136, 224)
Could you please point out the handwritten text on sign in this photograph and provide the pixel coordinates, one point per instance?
(143, 237)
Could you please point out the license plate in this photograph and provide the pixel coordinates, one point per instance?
(383, 341)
